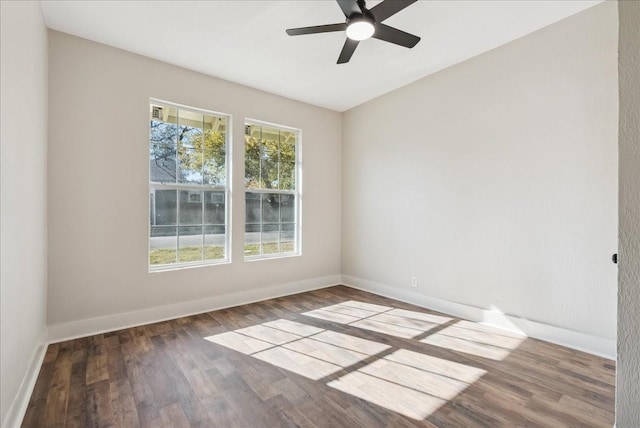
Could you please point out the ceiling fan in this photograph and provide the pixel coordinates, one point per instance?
(362, 23)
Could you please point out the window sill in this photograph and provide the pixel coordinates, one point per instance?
(271, 257)
(167, 268)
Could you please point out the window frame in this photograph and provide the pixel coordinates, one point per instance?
(296, 192)
(190, 187)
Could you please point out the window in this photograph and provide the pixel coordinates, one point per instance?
(188, 186)
(272, 191)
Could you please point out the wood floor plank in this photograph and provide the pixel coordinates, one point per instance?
(100, 408)
(96, 369)
(55, 411)
(173, 417)
(335, 357)
(77, 407)
(36, 409)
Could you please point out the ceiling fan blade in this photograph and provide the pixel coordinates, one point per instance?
(387, 8)
(317, 29)
(393, 35)
(347, 50)
(349, 7)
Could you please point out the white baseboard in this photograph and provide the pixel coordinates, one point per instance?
(88, 327)
(21, 401)
(595, 345)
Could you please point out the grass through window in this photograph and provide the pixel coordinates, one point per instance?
(268, 248)
(164, 256)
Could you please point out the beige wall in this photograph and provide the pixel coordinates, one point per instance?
(98, 184)
(628, 366)
(495, 181)
(23, 223)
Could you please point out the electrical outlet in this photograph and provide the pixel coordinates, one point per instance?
(414, 281)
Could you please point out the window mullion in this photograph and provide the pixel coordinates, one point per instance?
(177, 226)
(261, 223)
(177, 182)
(176, 146)
(202, 192)
(202, 222)
(279, 160)
(279, 187)
(261, 186)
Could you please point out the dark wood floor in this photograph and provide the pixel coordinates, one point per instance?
(335, 357)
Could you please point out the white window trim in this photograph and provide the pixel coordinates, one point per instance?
(297, 193)
(196, 187)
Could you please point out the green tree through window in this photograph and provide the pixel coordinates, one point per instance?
(188, 186)
(271, 196)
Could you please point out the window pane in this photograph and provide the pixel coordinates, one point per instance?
(152, 205)
(287, 237)
(287, 137)
(214, 123)
(190, 207)
(190, 129)
(270, 208)
(251, 239)
(163, 209)
(214, 208)
(287, 208)
(252, 162)
(214, 150)
(190, 244)
(214, 242)
(270, 238)
(163, 129)
(213, 167)
(287, 178)
(287, 172)
(190, 167)
(164, 134)
(162, 163)
(252, 208)
(162, 245)
(270, 162)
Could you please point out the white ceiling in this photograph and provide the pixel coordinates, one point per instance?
(245, 41)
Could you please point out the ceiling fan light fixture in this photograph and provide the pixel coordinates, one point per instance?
(360, 29)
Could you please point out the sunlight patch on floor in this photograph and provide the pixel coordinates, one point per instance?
(298, 363)
(326, 352)
(239, 342)
(410, 383)
(268, 334)
(382, 319)
(404, 381)
(439, 366)
(476, 339)
(303, 349)
(397, 398)
(293, 327)
(353, 343)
